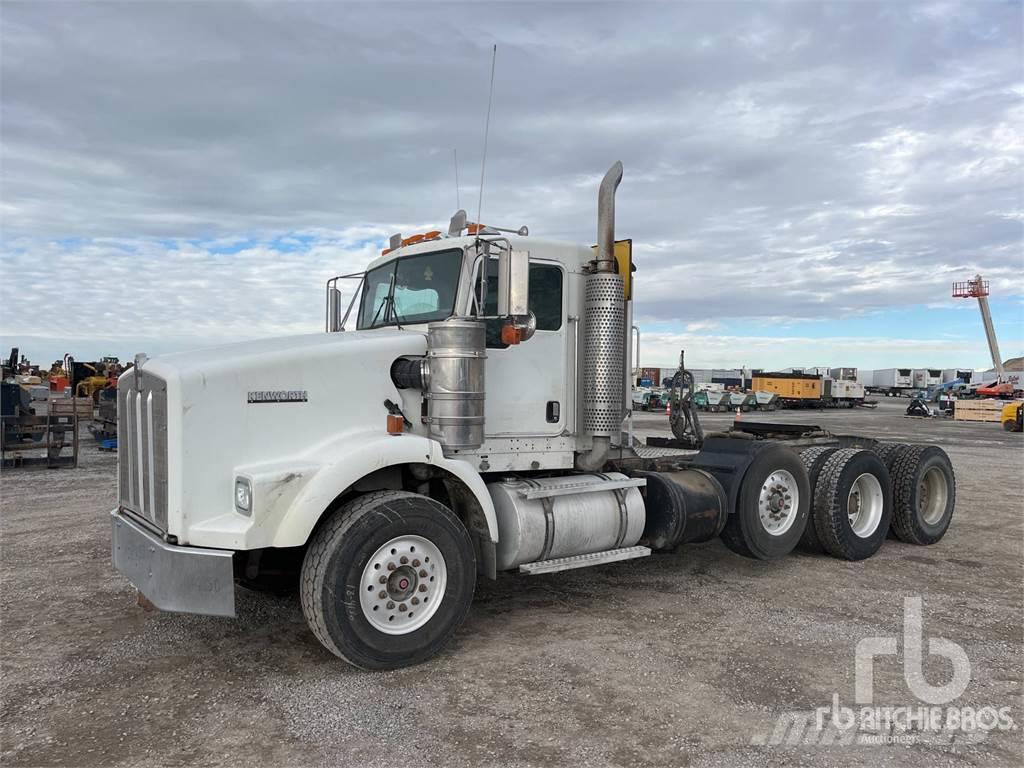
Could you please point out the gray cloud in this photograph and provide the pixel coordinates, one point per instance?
(852, 155)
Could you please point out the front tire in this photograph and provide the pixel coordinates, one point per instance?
(388, 579)
(773, 506)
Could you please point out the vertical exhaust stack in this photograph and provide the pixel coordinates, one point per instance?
(604, 334)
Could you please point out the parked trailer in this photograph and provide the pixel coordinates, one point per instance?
(442, 441)
(892, 381)
(957, 374)
(926, 378)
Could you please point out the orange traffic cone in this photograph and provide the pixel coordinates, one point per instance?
(739, 415)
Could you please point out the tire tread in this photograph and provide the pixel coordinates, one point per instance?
(314, 567)
(904, 477)
(830, 519)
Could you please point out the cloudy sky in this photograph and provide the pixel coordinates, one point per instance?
(803, 180)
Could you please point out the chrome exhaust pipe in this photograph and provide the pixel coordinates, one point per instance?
(606, 218)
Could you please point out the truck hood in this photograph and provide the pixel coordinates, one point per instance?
(269, 354)
(242, 406)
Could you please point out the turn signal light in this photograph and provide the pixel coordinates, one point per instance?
(396, 424)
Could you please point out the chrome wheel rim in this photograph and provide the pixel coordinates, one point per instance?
(864, 505)
(403, 585)
(932, 495)
(778, 502)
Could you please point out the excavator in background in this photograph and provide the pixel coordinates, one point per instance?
(89, 379)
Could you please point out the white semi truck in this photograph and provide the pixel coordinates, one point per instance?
(471, 423)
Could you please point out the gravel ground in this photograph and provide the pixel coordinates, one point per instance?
(682, 659)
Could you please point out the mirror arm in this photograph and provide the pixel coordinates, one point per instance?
(352, 303)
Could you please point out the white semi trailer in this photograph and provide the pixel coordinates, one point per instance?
(892, 381)
(471, 424)
(926, 378)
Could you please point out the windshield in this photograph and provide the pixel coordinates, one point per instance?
(425, 286)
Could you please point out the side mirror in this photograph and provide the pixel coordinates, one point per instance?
(333, 309)
(514, 295)
(513, 283)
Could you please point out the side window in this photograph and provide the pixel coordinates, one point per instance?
(545, 300)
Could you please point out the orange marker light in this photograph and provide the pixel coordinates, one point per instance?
(510, 334)
(396, 424)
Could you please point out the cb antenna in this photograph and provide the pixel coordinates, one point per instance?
(487, 127)
(455, 157)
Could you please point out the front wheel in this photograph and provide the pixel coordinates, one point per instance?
(388, 579)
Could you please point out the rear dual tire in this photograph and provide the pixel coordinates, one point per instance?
(924, 488)
(853, 505)
(814, 459)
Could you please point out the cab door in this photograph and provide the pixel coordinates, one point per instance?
(526, 383)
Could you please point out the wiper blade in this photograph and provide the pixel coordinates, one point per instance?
(387, 300)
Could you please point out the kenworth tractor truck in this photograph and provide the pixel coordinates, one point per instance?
(473, 422)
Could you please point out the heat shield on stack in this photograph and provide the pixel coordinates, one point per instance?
(604, 329)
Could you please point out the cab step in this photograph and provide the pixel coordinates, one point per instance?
(583, 561)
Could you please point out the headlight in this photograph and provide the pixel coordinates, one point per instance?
(243, 495)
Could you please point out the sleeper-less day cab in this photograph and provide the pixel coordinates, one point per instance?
(471, 423)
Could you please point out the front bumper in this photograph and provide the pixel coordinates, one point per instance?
(180, 579)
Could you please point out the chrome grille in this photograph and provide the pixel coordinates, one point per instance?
(142, 446)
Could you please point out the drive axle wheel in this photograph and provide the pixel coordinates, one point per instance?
(889, 452)
(773, 506)
(388, 579)
(853, 504)
(814, 459)
(924, 490)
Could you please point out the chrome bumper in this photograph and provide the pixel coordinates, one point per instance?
(180, 579)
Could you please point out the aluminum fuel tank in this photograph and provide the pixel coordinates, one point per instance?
(560, 517)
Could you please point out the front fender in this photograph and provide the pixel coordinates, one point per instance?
(356, 457)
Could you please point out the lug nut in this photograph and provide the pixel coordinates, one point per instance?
(402, 608)
(403, 560)
(390, 605)
(383, 579)
(423, 574)
(423, 587)
(415, 601)
(382, 594)
(391, 566)
(415, 563)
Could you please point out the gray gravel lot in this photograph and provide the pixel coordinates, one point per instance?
(675, 660)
